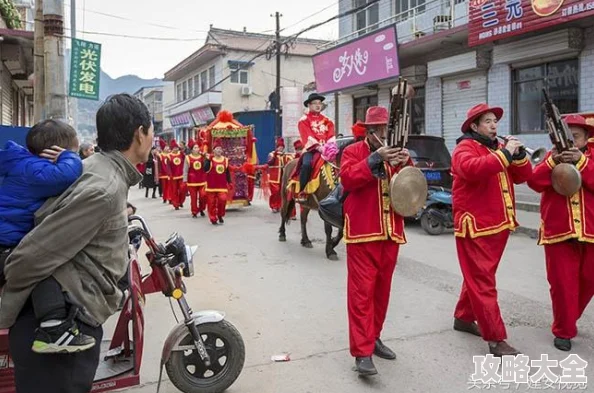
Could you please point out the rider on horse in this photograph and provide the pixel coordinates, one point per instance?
(315, 130)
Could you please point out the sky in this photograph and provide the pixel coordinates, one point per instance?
(187, 20)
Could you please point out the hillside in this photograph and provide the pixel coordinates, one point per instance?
(107, 86)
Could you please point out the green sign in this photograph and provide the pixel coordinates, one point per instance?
(85, 69)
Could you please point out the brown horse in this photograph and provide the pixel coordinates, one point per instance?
(311, 204)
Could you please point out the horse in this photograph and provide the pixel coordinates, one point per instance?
(311, 203)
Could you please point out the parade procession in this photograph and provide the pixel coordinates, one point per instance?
(381, 196)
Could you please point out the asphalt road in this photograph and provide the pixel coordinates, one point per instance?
(284, 298)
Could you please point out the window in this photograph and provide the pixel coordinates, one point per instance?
(197, 91)
(561, 80)
(158, 96)
(418, 112)
(361, 105)
(179, 92)
(367, 17)
(185, 90)
(402, 6)
(240, 76)
(203, 81)
(190, 88)
(211, 77)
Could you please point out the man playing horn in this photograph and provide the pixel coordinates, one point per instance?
(373, 234)
(484, 215)
(568, 247)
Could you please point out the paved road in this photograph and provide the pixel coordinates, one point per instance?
(284, 298)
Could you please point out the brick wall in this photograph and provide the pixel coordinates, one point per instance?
(586, 99)
(433, 119)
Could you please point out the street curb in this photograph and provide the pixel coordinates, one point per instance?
(531, 232)
(528, 206)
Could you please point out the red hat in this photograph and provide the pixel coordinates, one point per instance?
(173, 144)
(579, 121)
(297, 145)
(217, 143)
(280, 142)
(376, 115)
(359, 129)
(477, 111)
(191, 143)
(162, 143)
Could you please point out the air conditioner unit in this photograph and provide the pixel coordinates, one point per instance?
(246, 90)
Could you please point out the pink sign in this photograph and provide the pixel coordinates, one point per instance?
(371, 58)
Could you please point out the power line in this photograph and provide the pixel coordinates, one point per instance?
(311, 15)
(136, 20)
(134, 36)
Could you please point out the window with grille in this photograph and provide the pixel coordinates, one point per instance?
(211, 77)
(366, 20)
(360, 106)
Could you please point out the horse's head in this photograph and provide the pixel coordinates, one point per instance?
(342, 143)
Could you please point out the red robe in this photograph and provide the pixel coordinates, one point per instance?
(276, 163)
(196, 180)
(217, 187)
(164, 176)
(315, 129)
(176, 187)
(567, 233)
(484, 214)
(373, 234)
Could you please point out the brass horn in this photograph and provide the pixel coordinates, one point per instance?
(536, 156)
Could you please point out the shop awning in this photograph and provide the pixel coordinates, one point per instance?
(182, 120)
(203, 115)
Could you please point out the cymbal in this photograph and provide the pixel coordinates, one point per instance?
(566, 179)
(408, 191)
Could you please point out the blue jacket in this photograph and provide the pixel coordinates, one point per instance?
(26, 182)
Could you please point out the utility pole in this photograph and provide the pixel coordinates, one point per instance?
(39, 66)
(277, 130)
(73, 102)
(55, 84)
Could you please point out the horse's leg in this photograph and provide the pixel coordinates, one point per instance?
(330, 253)
(305, 242)
(337, 239)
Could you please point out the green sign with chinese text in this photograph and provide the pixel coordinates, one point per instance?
(85, 69)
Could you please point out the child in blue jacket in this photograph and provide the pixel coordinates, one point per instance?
(28, 177)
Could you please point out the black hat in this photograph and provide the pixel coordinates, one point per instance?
(313, 97)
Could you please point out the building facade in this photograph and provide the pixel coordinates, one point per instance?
(223, 74)
(153, 97)
(459, 53)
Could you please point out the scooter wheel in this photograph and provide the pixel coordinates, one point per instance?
(227, 354)
(431, 225)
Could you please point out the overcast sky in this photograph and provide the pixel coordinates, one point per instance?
(186, 19)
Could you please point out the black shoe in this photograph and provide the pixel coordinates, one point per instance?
(213, 222)
(382, 351)
(563, 344)
(202, 214)
(63, 338)
(466, 327)
(181, 206)
(365, 366)
(194, 216)
(221, 221)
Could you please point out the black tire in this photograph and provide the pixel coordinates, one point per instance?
(197, 381)
(431, 225)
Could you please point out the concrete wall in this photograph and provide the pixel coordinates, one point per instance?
(433, 106)
(295, 71)
(499, 93)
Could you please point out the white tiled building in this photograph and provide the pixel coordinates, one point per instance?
(450, 76)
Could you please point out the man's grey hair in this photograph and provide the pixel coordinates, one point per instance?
(85, 146)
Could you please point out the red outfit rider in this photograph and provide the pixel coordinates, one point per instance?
(164, 171)
(484, 175)
(195, 178)
(373, 234)
(315, 130)
(218, 180)
(566, 233)
(176, 167)
(276, 162)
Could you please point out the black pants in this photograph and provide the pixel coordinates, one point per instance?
(48, 301)
(49, 373)
(305, 169)
(154, 192)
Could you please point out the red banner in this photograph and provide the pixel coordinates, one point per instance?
(491, 20)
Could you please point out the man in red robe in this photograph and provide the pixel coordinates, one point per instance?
(251, 178)
(373, 233)
(484, 175)
(177, 187)
(276, 162)
(164, 171)
(195, 178)
(568, 244)
(218, 180)
(315, 130)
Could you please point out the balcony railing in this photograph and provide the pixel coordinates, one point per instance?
(416, 22)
